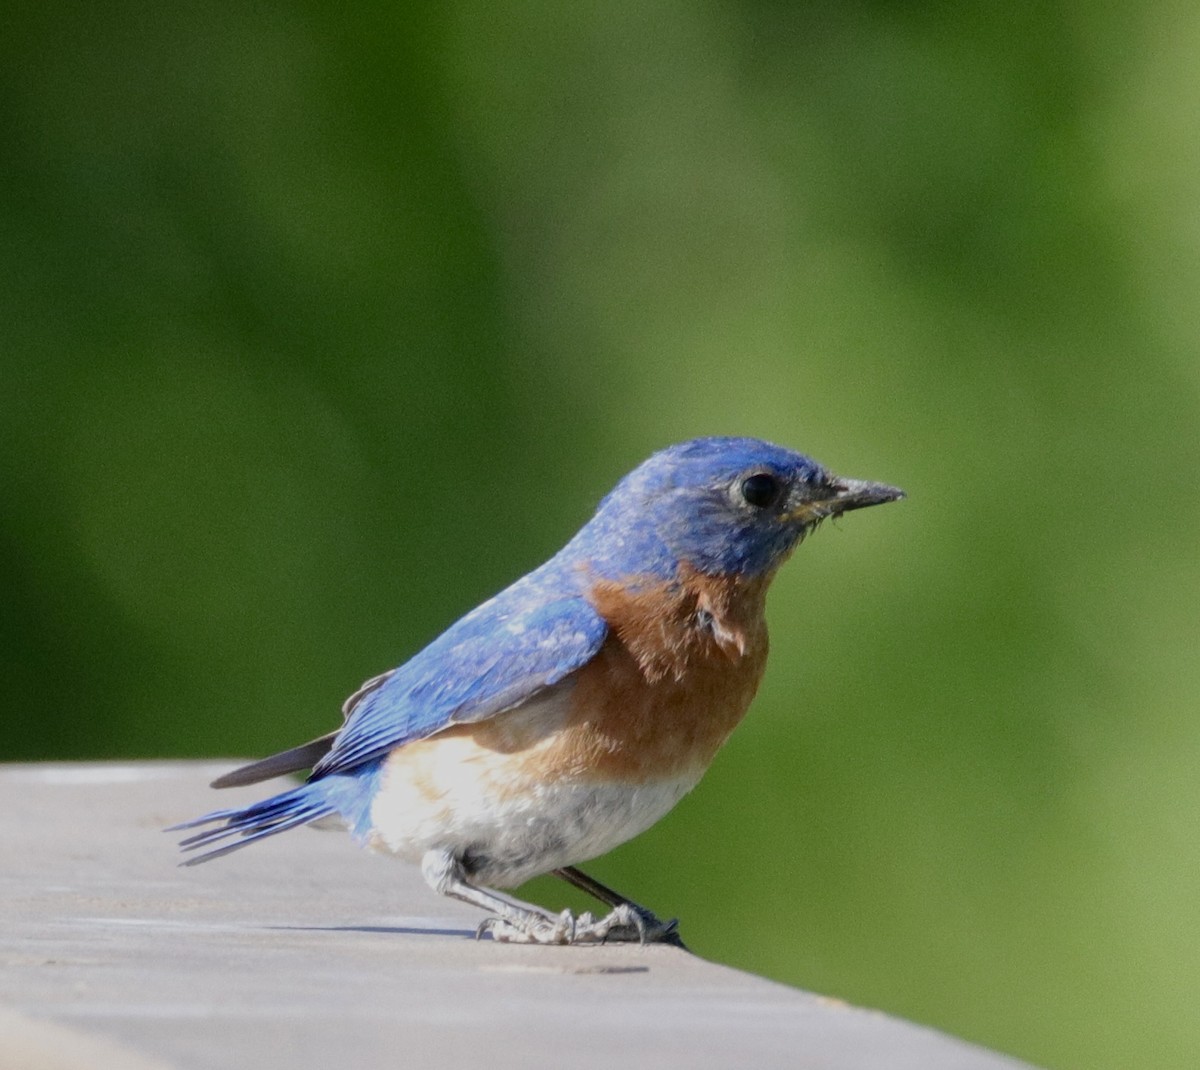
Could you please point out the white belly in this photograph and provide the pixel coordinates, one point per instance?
(497, 811)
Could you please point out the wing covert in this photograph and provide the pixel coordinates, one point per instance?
(491, 660)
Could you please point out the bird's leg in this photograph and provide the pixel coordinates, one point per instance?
(508, 922)
(628, 921)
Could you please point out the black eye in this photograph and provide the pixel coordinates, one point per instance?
(761, 489)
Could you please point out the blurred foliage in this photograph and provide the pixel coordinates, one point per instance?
(319, 325)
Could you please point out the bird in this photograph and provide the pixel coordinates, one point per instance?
(571, 711)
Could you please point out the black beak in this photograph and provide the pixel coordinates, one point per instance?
(845, 494)
(858, 494)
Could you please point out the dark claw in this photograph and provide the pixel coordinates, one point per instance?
(671, 936)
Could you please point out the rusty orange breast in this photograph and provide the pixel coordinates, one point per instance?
(676, 674)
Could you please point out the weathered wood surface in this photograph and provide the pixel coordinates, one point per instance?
(305, 951)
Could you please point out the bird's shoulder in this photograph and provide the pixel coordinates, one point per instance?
(503, 652)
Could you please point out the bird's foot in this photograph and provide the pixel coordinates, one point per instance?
(626, 923)
(630, 923)
(532, 928)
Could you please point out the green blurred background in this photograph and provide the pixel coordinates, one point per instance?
(320, 324)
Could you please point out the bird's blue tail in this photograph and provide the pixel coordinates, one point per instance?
(300, 806)
(348, 795)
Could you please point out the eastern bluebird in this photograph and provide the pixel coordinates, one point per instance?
(571, 711)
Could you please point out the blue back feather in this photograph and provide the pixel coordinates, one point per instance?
(527, 638)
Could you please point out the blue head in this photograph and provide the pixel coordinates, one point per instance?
(720, 505)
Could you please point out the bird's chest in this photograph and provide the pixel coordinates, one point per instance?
(676, 674)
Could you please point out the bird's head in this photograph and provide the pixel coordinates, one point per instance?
(720, 505)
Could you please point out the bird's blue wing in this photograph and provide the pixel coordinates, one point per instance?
(491, 660)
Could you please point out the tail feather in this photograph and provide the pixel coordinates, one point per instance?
(300, 806)
(348, 795)
(289, 761)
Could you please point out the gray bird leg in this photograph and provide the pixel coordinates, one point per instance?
(510, 923)
(626, 914)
